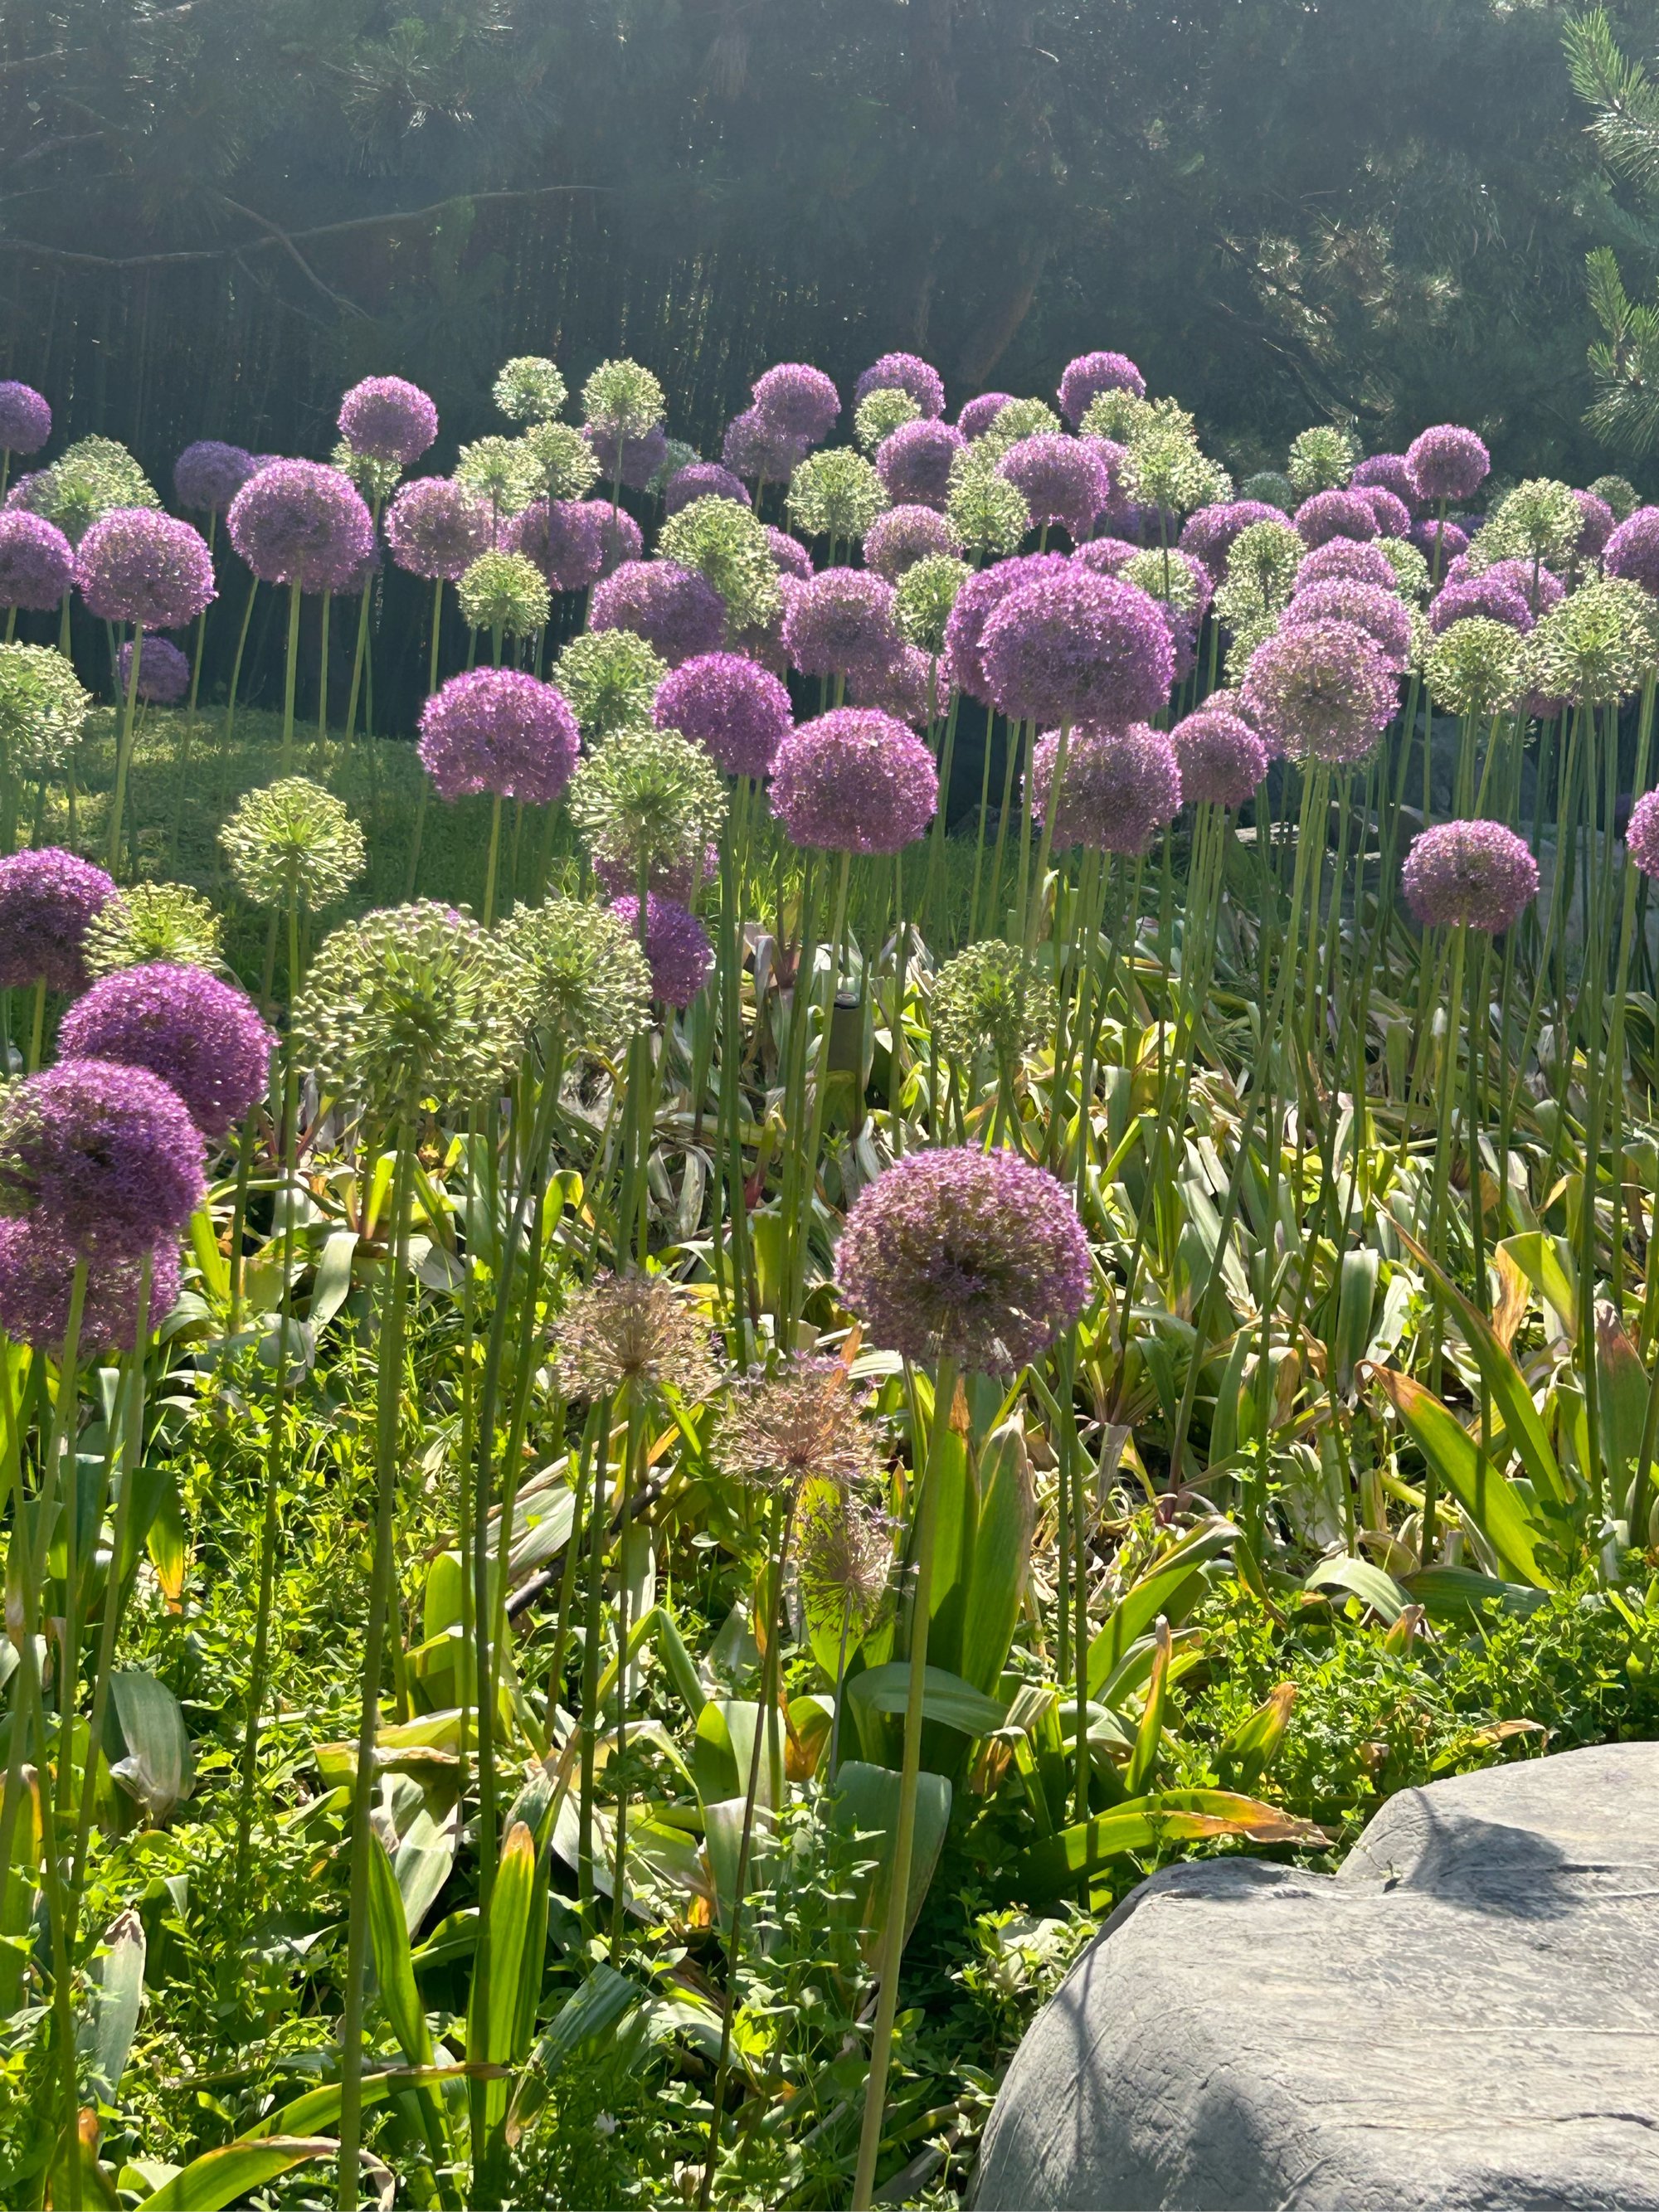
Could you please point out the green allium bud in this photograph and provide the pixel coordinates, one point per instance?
(1620, 494)
(881, 413)
(505, 592)
(89, 480)
(152, 922)
(529, 389)
(676, 455)
(611, 677)
(990, 1000)
(1410, 570)
(1539, 521)
(1477, 667)
(987, 513)
(565, 462)
(836, 494)
(648, 796)
(1018, 419)
(376, 480)
(1262, 565)
(292, 840)
(1596, 645)
(43, 708)
(503, 470)
(585, 979)
(1320, 459)
(1246, 630)
(1271, 489)
(1165, 467)
(1164, 579)
(925, 593)
(625, 399)
(1117, 415)
(727, 541)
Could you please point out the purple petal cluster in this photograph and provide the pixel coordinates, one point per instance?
(976, 416)
(163, 672)
(1091, 374)
(1598, 525)
(1380, 613)
(913, 462)
(1106, 556)
(388, 419)
(1324, 691)
(498, 730)
(979, 598)
(1221, 758)
(791, 555)
(104, 1155)
(967, 1255)
(1642, 837)
(25, 418)
(436, 528)
(1447, 463)
(565, 539)
(676, 609)
(904, 372)
(1632, 550)
(1118, 790)
(297, 522)
(1390, 472)
(37, 1273)
(1490, 595)
(1209, 534)
(138, 566)
(1360, 563)
(896, 541)
(854, 781)
(1537, 585)
(47, 901)
(1077, 647)
(908, 686)
(37, 561)
(736, 711)
(1477, 873)
(797, 401)
(1452, 541)
(755, 447)
(641, 457)
(207, 476)
(621, 538)
(1330, 514)
(677, 947)
(703, 480)
(1393, 516)
(1062, 480)
(204, 1038)
(838, 620)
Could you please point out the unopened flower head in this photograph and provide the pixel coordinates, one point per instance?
(436, 528)
(1597, 645)
(1477, 667)
(1411, 571)
(48, 900)
(923, 601)
(798, 400)
(739, 714)
(1447, 463)
(1475, 872)
(677, 947)
(1619, 494)
(208, 475)
(881, 413)
(985, 511)
(802, 1424)
(1271, 487)
(1091, 374)
(1221, 759)
(91, 479)
(633, 1333)
(649, 795)
(1118, 414)
(989, 999)
(149, 922)
(1322, 691)
(203, 1037)
(163, 672)
(611, 677)
(297, 522)
(138, 566)
(292, 840)
(1119, 788)
(854, 781)
(583, 978)
(1320, 459)
(726, 542)
(501, 731)
(104, 1155)
(505, 592)
(896, 541)
(677, 611)
(904, 372)
(1263, 565)
(43, 708)
(625, 399)
(835, 494)
(529, 388)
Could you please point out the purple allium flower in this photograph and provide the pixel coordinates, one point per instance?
(904, 372)
(677, 947)
(139, 566)
(797, 401)
(297, 522)
(47, 900)
(1598, 525)
(495, 729)
(896, 541)
(1642, 837)
(641, 457)
(163, 672)
(1380, 613)
(754, 447)
(1477, 873)
(1061, 480)
(1114, 458)
(791, 555)
(208, 475)
(913, 462)
(37, 1273)
(1359, 563)
(901, 686)
(1106, 556)
(1220, 756)
(678, 879)
(436, 528)
(1322, 691)
(974, 1256)
(1491, 595)
(25, 418)
(203, 1037)
(566, 541)
(1447, 463)
(1209, 534)
(675, 610)
(1091, 374)
(1119, 789)
(37, 561)
(388, 419)
(1393, 517)
(737, 713)
(854, 781)
(620, 536)
(1389, 472)
(1078, 647)
(703, 480)
(1451, 540)
(1632, 550)
(1330, 514)
(978, 601)
(840, 619)
(105, 1155)
(976, 416)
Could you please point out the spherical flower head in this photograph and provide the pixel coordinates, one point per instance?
(797, 401)
(610, 677)
(1020, 419)
(835, 494)
(1632, 550)
(1061, 481)
(982, 595)
(681, 880)
(141, 567)
(502, 472)
(703, 480)
(631, 1335)
(881, 413)
(924, 600)
(1476, 666)
(292, 840)
(505, 592)
(104, 1156)
(1490, 596)
(1380, 613)
(803, 1424)
(1388, 472)
(375, 479)
(985, 511)
(904, 372)
(497, 730)
(989, 999)
(1642, 837)
(1180, 585)
(854, 781)
(905, 535)
(962, 1255)
(1322, 691)
(25, 418)
(436, 528)
(1478, 873)
(623, 398)
(1447, 463)
(790, 556)
(48, 900)
(737, 713)
(1596, 645)
(202, 1037)
(563, 461)
(1330, 514)
(149, 922)
(843, 1562)
(838, 620)
(1091, 374)
(37, 1273)
(912, 686)
(976, 416)
(1120, 787)
(1346, 560)
(1393, 517)
(755, 447)
(1597, 518)
(1209, 534)
(1075, 647)
(208, 475)
(529, 388)
(88, 481)
(42, 707)
(163, 672)
(297, 522)
(619, 536)
(677, 611)
(582, 977)
(914, 462)
(1410, 570)
(388, 419)
(37, 561)
(726, 542)
(564, 541)
(1450, 540)
(1618, 493)
(1535, 584)
(1107, 556)
(1271, 487)
(1320, 459)
(677, 947)
(412, 1004)
(1539, 521)
(1221, 759)
(636, 461)
(650, 796)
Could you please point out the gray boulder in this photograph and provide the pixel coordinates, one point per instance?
(1466, 2018)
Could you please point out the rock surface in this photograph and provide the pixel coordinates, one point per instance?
(1466, 2018)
